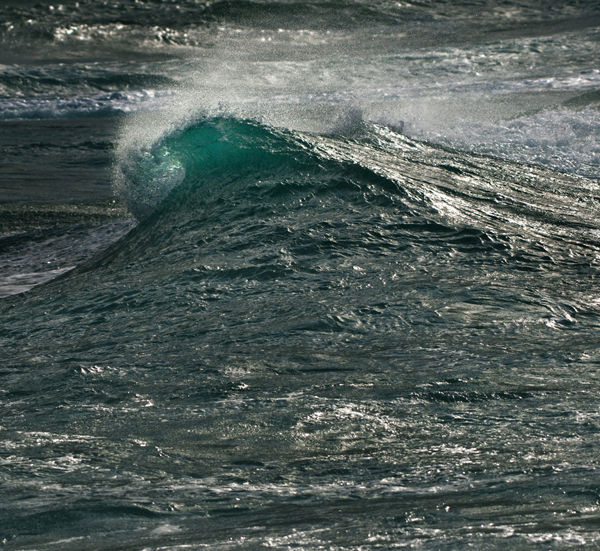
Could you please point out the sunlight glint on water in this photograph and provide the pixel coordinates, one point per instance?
(333, 323)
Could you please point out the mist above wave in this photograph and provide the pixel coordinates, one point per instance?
(519, 84)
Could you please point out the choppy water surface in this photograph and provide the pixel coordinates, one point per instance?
(358, 306)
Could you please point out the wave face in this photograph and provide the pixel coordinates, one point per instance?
(349, 340)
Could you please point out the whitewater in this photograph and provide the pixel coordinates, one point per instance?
(299, 275)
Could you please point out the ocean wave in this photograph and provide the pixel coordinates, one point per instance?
(235, 213)
(216, 157)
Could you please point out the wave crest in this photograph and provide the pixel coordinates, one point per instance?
(210, 152)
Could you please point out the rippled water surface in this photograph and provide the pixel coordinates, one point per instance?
(299, 275)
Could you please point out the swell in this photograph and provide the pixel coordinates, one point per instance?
(270, 202)
(224, 202)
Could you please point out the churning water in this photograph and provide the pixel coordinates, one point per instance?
(345, 296)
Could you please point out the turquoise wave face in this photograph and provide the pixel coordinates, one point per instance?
(211, 155)
(220, 156)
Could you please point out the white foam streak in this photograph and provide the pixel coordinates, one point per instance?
(115, 103)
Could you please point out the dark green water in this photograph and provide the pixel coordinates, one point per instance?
(299, 275)
(314, 342)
